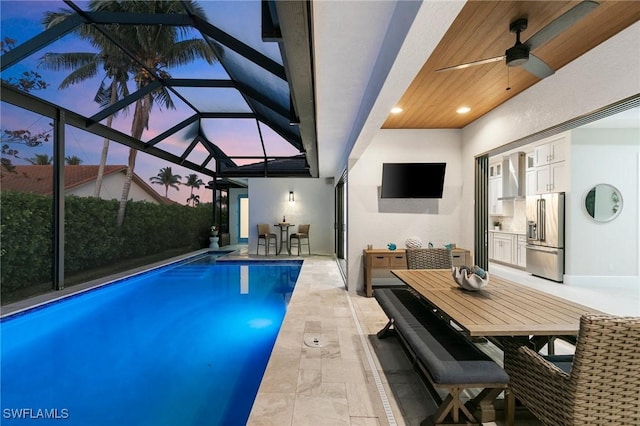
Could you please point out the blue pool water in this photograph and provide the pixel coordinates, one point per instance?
(182, 345)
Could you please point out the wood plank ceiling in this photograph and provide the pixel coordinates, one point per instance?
(481, 31)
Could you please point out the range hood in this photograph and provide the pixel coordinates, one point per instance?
(513, 177)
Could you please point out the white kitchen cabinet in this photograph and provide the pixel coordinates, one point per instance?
(551, 178)
(508, 248)
(531, 182)
(553, 150)
(495, 169)
(521, 251)
(549, 171)
(491, 244)
(503, 247)
(495, 192)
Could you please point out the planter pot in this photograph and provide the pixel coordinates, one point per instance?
(213, 242)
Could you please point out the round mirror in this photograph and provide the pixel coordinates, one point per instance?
(603, 202)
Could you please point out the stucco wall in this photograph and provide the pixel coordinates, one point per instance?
(611, 248)
(269, 202)
(112, 188)
(376, 221)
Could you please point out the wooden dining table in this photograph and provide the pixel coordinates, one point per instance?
(501, 308)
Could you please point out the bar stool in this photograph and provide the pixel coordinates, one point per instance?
(265, 234)
(300, 237)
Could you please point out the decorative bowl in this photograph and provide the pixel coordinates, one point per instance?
(413, 242)
(468, 280)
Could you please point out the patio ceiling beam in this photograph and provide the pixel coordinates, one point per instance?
(264, 100)
(289, 136)
(199, 82)
(190, 148)
(91, 17)
(227, 115)
(237, 46)
(217, 153)
(243, 88)
(173, 130)
(38, 42)
(130, 18)
(122, 103)
(31, 103)
(184, 20)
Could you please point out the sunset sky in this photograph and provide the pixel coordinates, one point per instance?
(21, 20)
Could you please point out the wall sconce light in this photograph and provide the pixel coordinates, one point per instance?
(291, 200)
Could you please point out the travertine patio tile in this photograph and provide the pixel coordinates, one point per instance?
(334, 385)
(343, 371)
(322, 407)
(365, 421)
(363, 399)
(272, 409)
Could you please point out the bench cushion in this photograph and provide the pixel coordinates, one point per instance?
(387, 282)
(449, 357)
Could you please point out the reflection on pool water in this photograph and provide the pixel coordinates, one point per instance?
(185, 344)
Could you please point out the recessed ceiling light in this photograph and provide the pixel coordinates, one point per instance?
(396, 110)
(463, 110)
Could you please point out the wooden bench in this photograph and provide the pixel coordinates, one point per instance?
(447, 358)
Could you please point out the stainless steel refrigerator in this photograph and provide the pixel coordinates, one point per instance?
(545, 235)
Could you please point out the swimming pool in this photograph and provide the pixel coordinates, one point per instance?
(186, 344)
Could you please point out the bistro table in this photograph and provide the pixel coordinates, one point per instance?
(502, 308)
(284, 236)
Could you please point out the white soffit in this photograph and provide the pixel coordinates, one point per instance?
(347, 36)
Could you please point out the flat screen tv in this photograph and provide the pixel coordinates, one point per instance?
(412, 180)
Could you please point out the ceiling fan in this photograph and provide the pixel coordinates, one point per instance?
(520, 53)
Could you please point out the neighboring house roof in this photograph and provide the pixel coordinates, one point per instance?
(291, 166)
(39, 179)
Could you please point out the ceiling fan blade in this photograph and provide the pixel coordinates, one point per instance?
(537, 67)
(561, 23)
(472, 64)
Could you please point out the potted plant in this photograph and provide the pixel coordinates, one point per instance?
(213, 239)
(496, 225)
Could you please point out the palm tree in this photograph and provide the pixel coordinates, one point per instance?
(156, 48)
(167, 178)
(193, 198)
(40, 160)
(72, 160)
(193, 181)
(86, 65)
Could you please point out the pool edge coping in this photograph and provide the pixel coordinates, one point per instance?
(41, 300)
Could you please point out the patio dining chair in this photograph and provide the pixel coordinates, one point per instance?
(299, 237)
(265, 235)
(428, 258)
(597, 385)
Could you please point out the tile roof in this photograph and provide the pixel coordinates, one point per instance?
(39, 179)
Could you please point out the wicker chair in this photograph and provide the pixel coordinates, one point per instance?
(265, 234)
(299, 238)
(598, 386)
(428, 258)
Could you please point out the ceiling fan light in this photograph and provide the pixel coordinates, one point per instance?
(517, 55)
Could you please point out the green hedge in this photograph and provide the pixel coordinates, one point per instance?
(92, 238)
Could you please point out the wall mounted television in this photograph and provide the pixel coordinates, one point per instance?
(412, 180)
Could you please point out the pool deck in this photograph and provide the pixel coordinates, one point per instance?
(352, 378)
